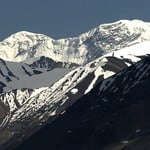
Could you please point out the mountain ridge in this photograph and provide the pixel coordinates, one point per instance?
(95, 99)
(29, 61)
(79, 50)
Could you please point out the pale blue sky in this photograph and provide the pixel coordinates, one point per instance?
(65, 18)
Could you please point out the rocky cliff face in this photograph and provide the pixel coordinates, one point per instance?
(110, 117)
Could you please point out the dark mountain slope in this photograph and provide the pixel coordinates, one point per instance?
(113, 116)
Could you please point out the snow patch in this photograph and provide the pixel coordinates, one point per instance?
(74, 91)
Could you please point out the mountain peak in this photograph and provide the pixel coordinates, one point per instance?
(79, 50)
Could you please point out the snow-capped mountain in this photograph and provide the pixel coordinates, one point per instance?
(41, 77)
(69, 87)
(79, 50)
(22, 105)
(106, 97)
(18, 75)
(112, 116)
(42, 72)
(39, 53)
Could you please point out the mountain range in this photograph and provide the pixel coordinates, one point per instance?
(74, 86)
